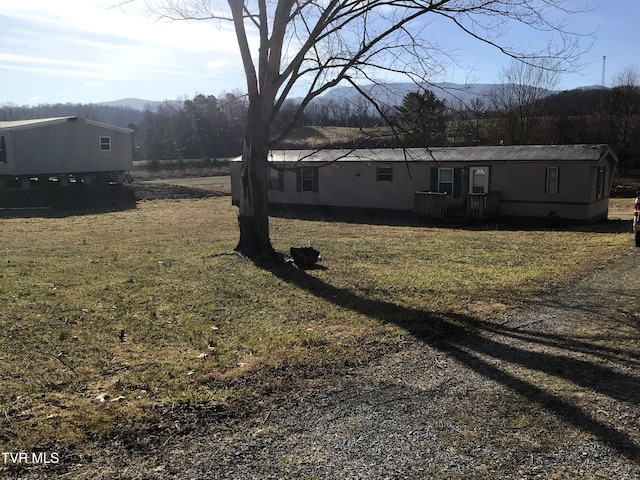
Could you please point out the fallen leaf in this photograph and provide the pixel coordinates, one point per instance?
(103, 397)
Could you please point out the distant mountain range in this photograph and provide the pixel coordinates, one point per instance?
(135, 103)
(387, 94)
(391, 94)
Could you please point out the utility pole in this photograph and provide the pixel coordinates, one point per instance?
(601, 103)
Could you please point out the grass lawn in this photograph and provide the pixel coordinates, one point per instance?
(108, 318)
(621, 208)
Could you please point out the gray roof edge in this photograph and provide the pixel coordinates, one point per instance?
(495, 153)
(31, 123)
(41, 122)
(104, 125)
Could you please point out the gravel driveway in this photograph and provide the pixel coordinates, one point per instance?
(550, 391)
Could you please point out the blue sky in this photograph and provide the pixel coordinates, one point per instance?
(84, 51)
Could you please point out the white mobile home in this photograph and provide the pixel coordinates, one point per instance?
(564, 181)
(61, 149)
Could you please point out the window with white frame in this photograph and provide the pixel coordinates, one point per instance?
(445, 180)
(552, 180)
(307, 179)
(600, 183)
(105, 144)
(276, 179)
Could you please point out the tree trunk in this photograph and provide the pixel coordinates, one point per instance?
(253, 217)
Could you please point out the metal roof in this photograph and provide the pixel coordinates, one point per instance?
(11, 125)
(40, 122)
(519, 153)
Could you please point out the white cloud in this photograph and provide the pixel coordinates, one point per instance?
(128, 24)
(86, 39)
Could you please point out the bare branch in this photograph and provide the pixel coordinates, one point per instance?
(188, 10)
(311, 46)
(237, 8)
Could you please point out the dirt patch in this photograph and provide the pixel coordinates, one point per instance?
(549, 391)
(625, 186)
(112, 197)
(169, 191)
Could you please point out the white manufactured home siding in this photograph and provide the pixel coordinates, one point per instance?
(69, 147)
(522, 189)
(518, 174)
(349, 185)
(355, 185)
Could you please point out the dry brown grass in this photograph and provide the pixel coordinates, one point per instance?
(621, 209)
(108, 317)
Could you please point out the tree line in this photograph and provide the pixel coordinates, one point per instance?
(521, 110)
(518, 111)
(202, 127)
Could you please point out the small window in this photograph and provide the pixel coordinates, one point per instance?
(3, 150)
(384, 174)
(105, 144)
(307, 179)
(276, 179)
(552, 180)
(600, 183)
(445, 180)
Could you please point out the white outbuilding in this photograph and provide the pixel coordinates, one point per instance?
(63, 150)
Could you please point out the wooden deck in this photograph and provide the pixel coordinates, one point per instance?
(430, 204)
(478, 205)
(482, 205)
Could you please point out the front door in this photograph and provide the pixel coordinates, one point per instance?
(478, 179)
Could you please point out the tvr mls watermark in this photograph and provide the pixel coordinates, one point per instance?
(29, 458)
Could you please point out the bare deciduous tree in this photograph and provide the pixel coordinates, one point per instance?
(310, 46)
(624, 107)
(521, 98)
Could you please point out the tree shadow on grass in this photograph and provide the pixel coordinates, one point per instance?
(473, 342)
(366, 216)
